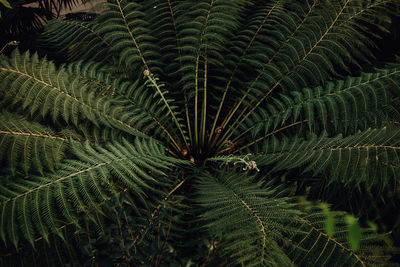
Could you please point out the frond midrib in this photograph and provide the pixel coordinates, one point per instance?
(75, 99)
(58, 180)
(33, 134)
(329, 238)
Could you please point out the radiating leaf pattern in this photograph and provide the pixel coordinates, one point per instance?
(175, 126)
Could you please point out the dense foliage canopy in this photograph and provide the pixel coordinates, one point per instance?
(191, 132)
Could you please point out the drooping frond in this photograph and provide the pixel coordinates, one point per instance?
(45, 90)
(328, 38)
(371, 156)
(29, 146)
(41, 204)
(247, 218)
(259, 226)
(341, 104)
(78, 40)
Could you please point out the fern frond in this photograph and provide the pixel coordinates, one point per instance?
(154, 115)
(206, 26)
(123, 26)
(248, 219)
(45, 90)
(340, 104)
(313, 247)
(77, 39)
(338, 40)
(356, 158)
(93, 134)
(243, 49)
(258, 226)
(29, 146)
(45, 202)
(327, 40)
(163, 24)
(168, 106)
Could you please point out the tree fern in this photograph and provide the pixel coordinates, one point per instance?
(188, 132)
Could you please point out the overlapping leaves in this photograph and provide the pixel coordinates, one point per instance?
(212, 80)
(26, 145)
(259, 226)
(370, 156)
(38, 205)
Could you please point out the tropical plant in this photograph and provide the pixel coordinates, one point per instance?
(183, 132)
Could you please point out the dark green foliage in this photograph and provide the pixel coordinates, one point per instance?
(314, 247)
(344, 105)
(258, 225)
(251, 220)
(43, 203)
(184, 132)
(49, 92)
(356, 158)
(27, 145)
(74, 36)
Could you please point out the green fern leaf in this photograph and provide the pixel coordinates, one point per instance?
(262, 228)
(248, 219)
(371, 153)
(341, 105)
(77, 39)
(78, 186)
(29, 146)
(51, 91)
(124, 27)
(153, 114)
